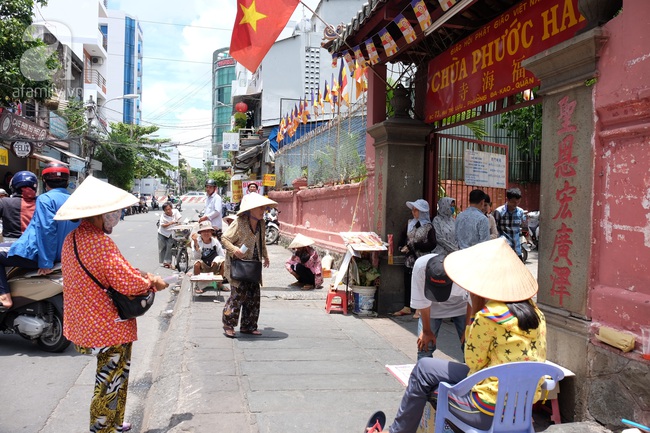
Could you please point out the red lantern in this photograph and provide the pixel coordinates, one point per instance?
(241, 107)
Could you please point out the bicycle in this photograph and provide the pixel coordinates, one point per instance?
(181, 237)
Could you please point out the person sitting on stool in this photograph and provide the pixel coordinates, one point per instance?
(208, 252)
(304, 264)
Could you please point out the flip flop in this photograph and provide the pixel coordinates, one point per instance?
(253, 332)
(375, 423)
(307, 287)
(199, 291)
(230, 333)
(126, 426)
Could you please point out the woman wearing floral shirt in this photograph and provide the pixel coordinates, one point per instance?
(91, 320)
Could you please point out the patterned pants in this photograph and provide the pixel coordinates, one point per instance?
(247, 298)
(111, 384)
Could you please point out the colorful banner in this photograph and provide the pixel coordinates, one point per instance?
(373, 56)
(390, 47)
(486, 65)
(406, 28)
(359, 58)
(446, 4)
(422, 13)
(349, 60)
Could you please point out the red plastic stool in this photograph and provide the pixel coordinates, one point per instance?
(333, 305)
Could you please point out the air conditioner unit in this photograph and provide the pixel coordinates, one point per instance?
(97, 60)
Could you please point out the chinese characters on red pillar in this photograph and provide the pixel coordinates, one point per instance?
(565, 172)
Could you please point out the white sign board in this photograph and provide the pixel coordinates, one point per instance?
(231, 141)
(485, 169)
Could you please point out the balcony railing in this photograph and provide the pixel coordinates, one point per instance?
(92, 76)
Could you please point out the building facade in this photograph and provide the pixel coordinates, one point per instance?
(223, 75)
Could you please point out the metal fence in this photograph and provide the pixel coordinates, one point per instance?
(333, 152)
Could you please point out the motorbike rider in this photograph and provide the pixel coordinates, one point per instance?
(16, 211)
(212, 210)
(39, 247)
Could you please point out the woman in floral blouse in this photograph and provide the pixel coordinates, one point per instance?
(90, 319)
(304, 263)
(509, 328)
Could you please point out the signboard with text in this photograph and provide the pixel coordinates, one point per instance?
(231, 141)
(486, 66)
(485, 169)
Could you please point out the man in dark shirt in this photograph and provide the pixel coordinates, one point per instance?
(16, 211)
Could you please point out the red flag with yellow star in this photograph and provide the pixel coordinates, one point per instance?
(257, 25)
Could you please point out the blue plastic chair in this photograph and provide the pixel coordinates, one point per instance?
(513, 410)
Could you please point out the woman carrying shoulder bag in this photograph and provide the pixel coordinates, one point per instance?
(90, 258)
(245, 250)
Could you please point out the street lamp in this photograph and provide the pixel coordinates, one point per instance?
(94, 110)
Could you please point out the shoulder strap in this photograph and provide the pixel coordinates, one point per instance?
(76, 253)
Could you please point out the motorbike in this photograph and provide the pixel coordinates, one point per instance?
(525, 244)
(533, 227)
(143, 206)
(272, 226)
(177, 202)
(37, 310)
(154, 203)
(181, 236)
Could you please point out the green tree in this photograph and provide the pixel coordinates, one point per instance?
(26, 63)
(128, 154)
(526, 125)
(221, 177)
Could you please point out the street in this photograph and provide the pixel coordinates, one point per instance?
(50, 393)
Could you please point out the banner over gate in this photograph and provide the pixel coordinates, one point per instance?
(486, 65)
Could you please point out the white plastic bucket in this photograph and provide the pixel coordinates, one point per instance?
(364, 299)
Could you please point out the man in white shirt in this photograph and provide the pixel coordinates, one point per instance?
(212, 211)
(436, 297)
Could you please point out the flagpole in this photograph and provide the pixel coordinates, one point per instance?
(331, 27)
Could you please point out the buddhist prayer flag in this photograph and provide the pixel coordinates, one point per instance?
(326, 93)
(406, 28)
(257, 25)
(422, 13)
(349, 60)
(390, 47)
(360, 80)
(335, 59)
(359, 58)
(373, 56)
(446, 4)
(343, 78)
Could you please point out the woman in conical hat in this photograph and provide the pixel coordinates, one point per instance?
(509, 328)
(304, 264)
(91, 320)
(244, 239)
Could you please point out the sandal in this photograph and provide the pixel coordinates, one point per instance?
(307, 287)
(253, 332)
(230, 333)
(126, 426)
(199, 291)
(376, 423)
(296, 284)
(406, 311)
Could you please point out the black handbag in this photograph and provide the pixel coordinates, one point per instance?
(128, 307)
(249, 271)
(209, 257)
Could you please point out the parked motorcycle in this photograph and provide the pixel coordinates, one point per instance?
(37, 311)
(181, 236)
(272, 226)
(533, 227)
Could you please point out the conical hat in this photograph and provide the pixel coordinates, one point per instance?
(491, 270)
(301, 241)
(94, 197)
(253, 200)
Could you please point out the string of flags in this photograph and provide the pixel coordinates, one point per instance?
(354, 63)
(355, 55)
(336, 93)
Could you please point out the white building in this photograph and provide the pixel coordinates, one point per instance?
(124, 66)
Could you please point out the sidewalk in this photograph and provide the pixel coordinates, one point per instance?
(309, 372)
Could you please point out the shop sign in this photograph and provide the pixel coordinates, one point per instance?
(486, 66)
(231, 141)
(18, 127)
(4, 156)
(58, 125)
(22, 149)
(268, 180)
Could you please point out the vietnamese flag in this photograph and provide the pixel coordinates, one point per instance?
(257, 25)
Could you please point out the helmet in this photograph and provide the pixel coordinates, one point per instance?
(23, 178)
(210, 182)
(56, 171)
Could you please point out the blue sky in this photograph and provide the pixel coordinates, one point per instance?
(179, 39)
